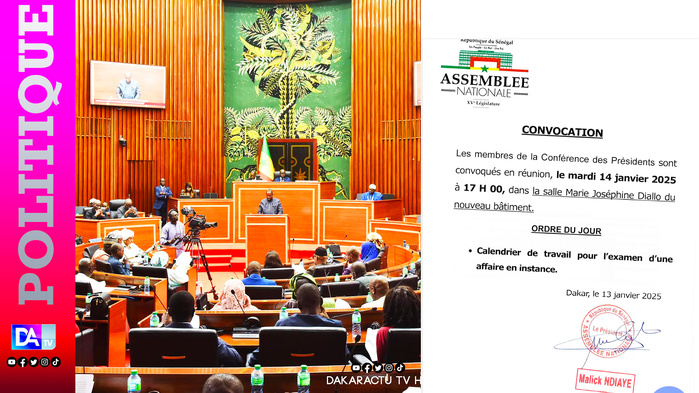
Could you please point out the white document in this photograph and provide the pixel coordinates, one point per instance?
(84, 383)
(561, 223)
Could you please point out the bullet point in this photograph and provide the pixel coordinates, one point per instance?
(469, 250)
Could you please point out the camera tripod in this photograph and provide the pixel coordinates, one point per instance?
(192, 242)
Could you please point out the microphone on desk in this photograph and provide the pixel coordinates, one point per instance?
(350, 313)
(82, 334)
(291, 249)
(356, 340)
(248, 322)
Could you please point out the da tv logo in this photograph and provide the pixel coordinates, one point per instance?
(33, 337)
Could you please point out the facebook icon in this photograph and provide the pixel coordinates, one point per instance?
(33, 337)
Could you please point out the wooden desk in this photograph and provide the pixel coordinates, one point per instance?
(227, 320)
(110, 334)
(351, 218)
(277, 304)
(300, 201)
(247, 345)
(266, 232)
(277, 379)
(142, 305)
(394, 232)
(146, 230)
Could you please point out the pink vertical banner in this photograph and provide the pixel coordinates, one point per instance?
(38, 168)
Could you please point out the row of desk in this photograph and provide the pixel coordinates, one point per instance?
(311, 218)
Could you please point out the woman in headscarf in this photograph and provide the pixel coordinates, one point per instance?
(371, 247)
(233, 297)
(131, 251)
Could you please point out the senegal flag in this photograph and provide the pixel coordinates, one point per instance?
(265, 168)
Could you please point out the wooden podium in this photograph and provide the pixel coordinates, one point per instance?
(266, 232)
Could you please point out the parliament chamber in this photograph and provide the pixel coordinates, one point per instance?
(205, 115)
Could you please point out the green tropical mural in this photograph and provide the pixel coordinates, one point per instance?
(287, 76)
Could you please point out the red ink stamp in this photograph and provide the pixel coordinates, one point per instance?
(607, 331)
(604, 381)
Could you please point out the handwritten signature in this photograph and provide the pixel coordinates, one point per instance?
(621, 334)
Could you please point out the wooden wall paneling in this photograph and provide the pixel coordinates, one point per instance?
(386, 125)
(180, 142)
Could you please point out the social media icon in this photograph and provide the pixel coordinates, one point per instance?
(400, 367)
(367, 367)
(45, 362)
(388, 367)
(356, 368)
(23, 362)
(55, 361)
(378, 368)
(11, 362)
(33, 337)
(33, 361)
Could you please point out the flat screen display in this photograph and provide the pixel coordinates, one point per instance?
(123, 84)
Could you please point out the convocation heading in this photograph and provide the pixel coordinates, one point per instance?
(561, 223)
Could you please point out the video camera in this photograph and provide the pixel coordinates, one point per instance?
(197, 221)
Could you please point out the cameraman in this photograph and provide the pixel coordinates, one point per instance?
(173, 232)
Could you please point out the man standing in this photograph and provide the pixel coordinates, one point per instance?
(181, 309)
(372, 195)
(173, 233)
(162, 192)
(96, 212)
(270, 205)
(254, 278)
(128, 88)
(282, 176)
(128, 210)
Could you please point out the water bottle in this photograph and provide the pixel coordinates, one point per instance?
(146, 286)
(134, 382)
(200, 288)
(412, 267)
(405, 271)
(405, 244)
(330, 256)
(369, 299)
(154, 320)
(356, 323)
(337, 277)
(88, 300)
(257, 379)
(303, 380)
(283, 314)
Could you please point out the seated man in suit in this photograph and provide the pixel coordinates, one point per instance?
(282, 176)
(128, 210)
(181, 309)
(85, 269)
(360, 275)
(96, 212)
(117, 255)
(309, 302)
(254, 278)
(372, 194)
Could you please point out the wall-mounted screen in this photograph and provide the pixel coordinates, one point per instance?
(123, 84)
